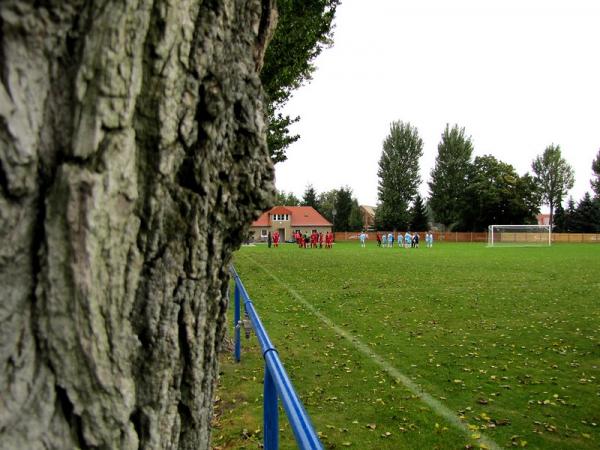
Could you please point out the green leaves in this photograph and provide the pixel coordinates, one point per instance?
(398, 175)
(303, 30)
(449, 177)
(553, 175)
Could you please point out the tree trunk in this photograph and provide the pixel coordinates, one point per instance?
(132, 159)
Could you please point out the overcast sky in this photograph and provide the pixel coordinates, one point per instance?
(519, 75)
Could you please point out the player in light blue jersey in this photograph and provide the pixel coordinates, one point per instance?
(363, 238)
(407, 239)
(429, 239)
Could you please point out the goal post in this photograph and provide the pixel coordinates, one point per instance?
(519, 235)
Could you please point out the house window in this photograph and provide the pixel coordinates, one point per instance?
(263, 233)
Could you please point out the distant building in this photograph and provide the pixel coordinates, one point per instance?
(543, 219)
(368, 217)
(287, 220)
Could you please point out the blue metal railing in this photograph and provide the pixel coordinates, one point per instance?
(277, 384)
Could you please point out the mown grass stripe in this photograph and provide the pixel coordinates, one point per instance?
(413, 387)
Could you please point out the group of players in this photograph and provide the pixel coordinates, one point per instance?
(315, 240)
(407, 240)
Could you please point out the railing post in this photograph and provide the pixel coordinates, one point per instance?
(237, 323)
(271, 413)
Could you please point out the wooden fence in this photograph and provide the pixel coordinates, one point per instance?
(473, 237)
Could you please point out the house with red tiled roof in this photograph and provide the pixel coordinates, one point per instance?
(287, 220)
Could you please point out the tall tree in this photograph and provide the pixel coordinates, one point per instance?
(419, 221)
(310, 197)
(398, 175)
(304, 29)
(595, 182)
(449, 176)
(132, 164)
(554, 176)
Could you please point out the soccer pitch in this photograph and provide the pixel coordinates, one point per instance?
(458, 345)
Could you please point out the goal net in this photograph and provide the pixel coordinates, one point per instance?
(519, 235)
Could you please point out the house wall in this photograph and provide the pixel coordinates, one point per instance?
(285, 224)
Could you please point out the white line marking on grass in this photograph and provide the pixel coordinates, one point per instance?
(413, 387)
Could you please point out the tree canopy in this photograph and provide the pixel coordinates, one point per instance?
(497, 195)
(327, 204)
(343, 208)
(355, 221)
(449, 176)
(398, 175)
(304, 29)
(286, 198)
(554, 176)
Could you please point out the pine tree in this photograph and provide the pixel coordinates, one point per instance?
(419, 220)
(310, 197)
(570, 216)
(398, 175)
(586, 215)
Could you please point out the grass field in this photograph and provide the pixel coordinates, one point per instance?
(459, 346)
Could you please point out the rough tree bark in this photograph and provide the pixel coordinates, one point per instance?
(132, 158)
